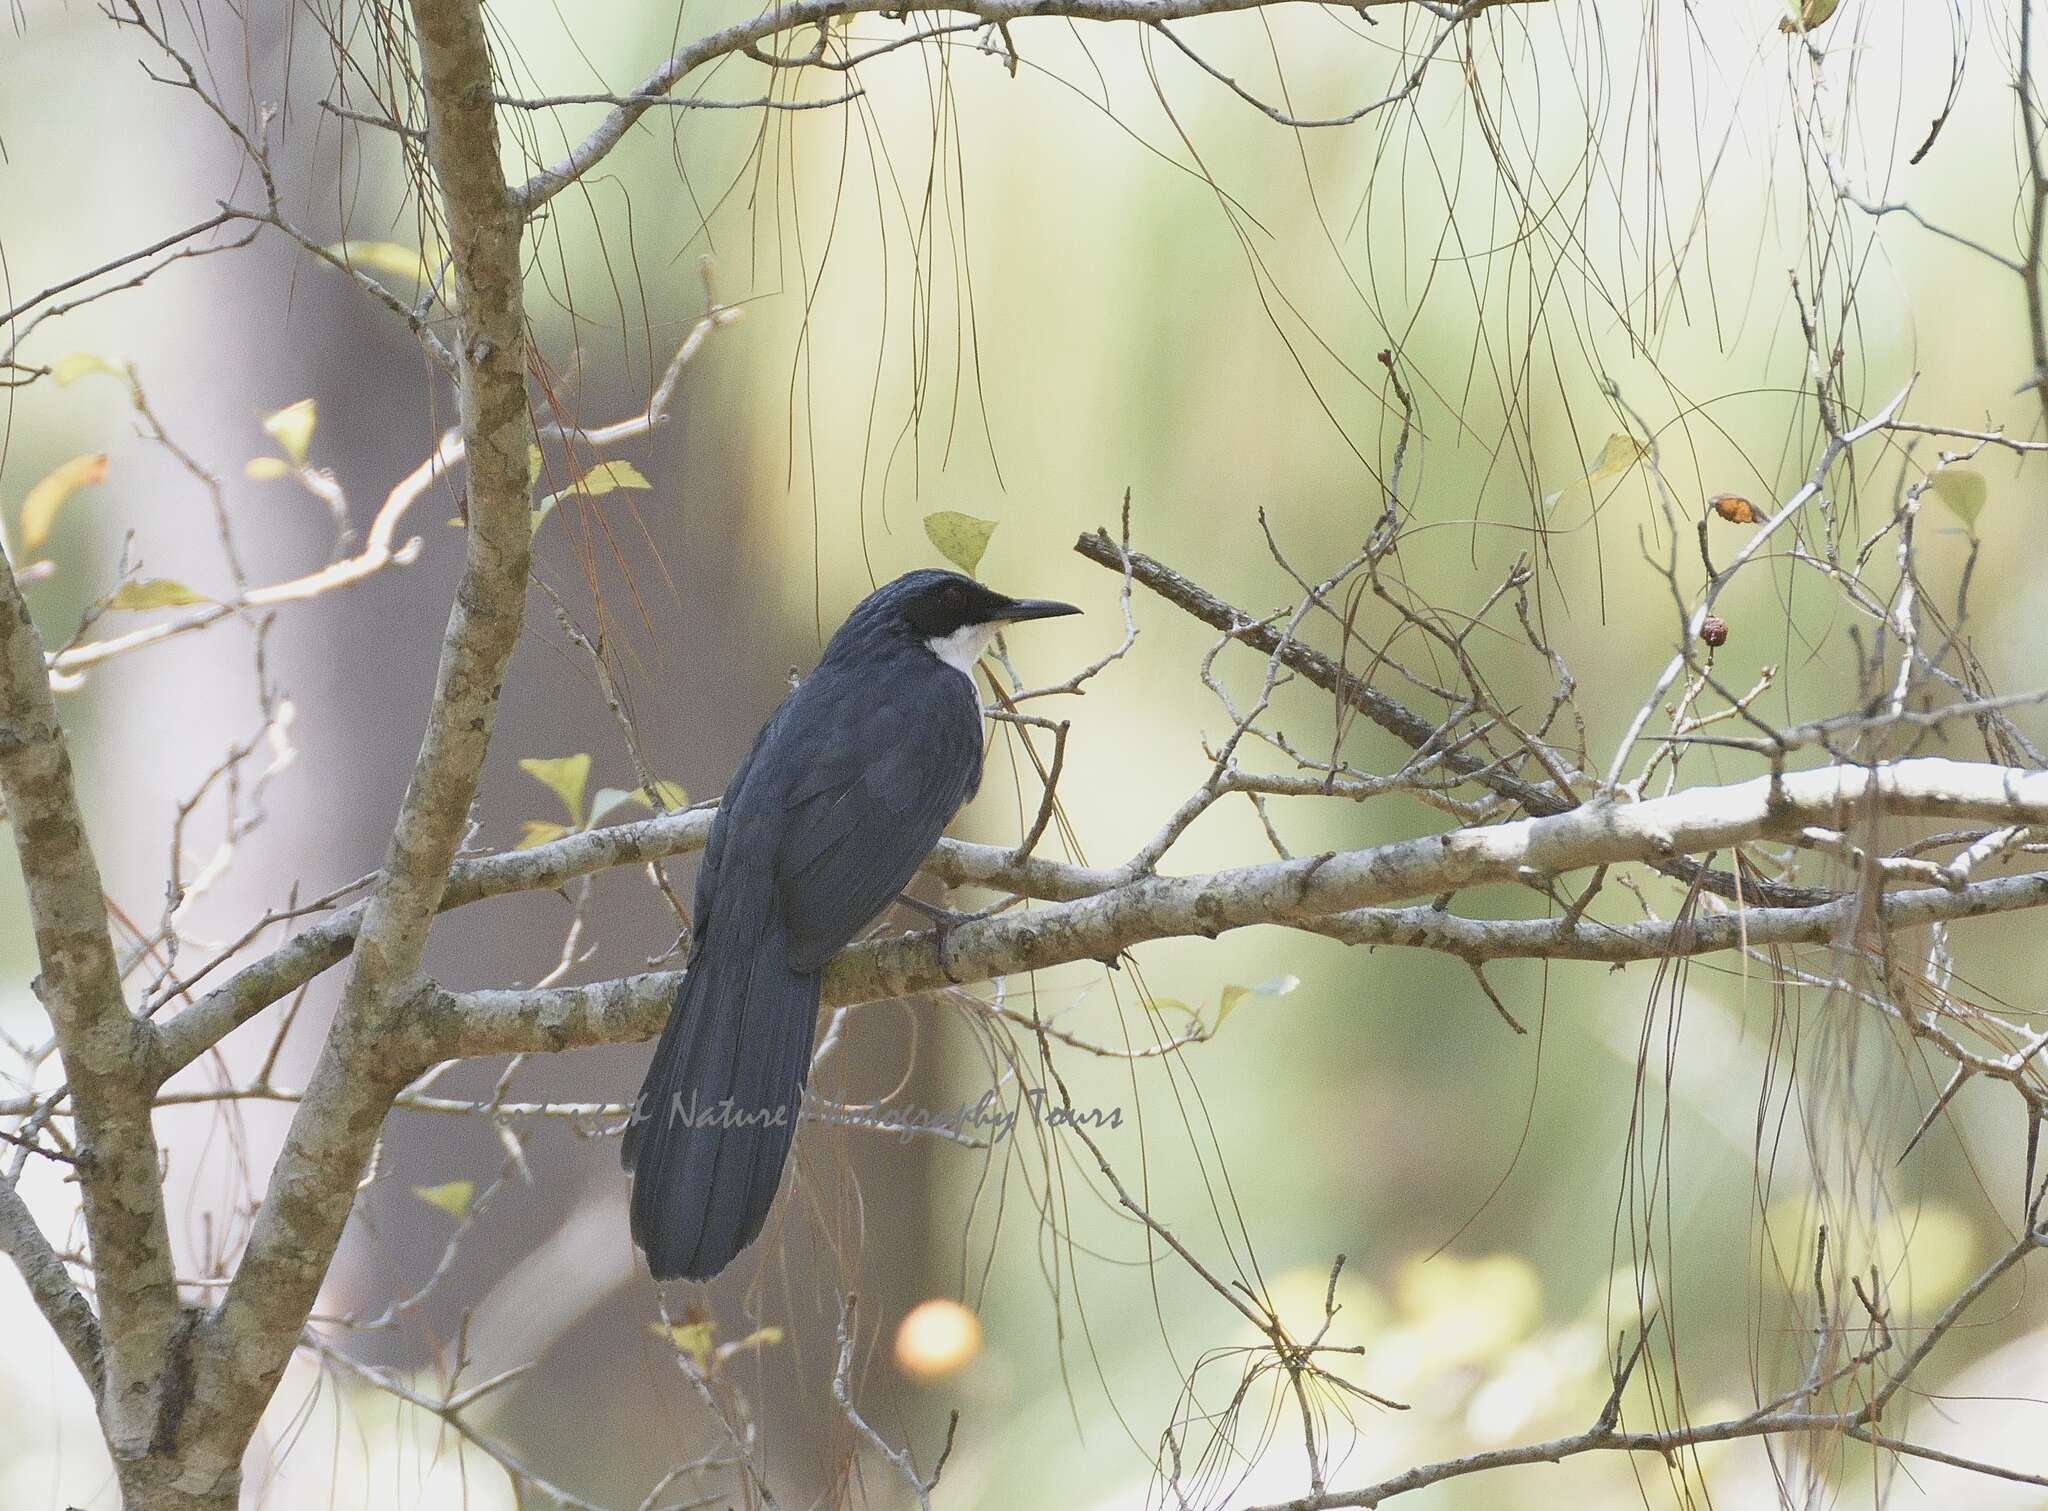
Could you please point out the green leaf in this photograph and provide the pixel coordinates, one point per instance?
(68, 370)
(564, 776)
(452, 1197)
(292, 428)
(266, 469)
(1963, 491)
(155, 593)
(539, 831)
(961, 538)
(383, 257)
(692, 1338)
(1620, 454)
(606, 799)
(39, 509)
(1279, 986)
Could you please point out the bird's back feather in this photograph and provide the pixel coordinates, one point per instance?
(824, 824)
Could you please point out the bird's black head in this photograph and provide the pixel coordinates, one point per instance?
(952, 616)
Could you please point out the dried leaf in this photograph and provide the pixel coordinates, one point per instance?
(39, 509)
(1734, 508)
(292, 428)
(564, 776)
(1619, 454)
(452, 1197)
(155, 593)
(961, 538)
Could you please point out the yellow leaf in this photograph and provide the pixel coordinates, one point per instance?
(292, 428)
(961, 538)
(1962, 490)
(39, 509)
(383, 257)
(1807, 14)
(155, 593)
(539, 831)
(692, 1338)
(606, 476)
(452, 1197)
(533, 465)
(564, 776)
(1279, 986)
(1619, 454)
(599, 480)
(760, 1337)
(67, 370)
(266, 469)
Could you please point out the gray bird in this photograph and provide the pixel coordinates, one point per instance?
(849, 785)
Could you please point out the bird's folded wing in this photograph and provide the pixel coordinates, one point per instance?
(863, 817)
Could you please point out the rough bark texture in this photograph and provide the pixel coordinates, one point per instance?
(106, 1055)
(241, 1349)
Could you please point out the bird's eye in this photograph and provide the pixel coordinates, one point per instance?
(952, 594)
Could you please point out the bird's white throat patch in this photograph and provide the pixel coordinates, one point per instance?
(961, 649)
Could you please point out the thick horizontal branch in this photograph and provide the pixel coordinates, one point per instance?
(449, 1024)
(543, 868)
(1342, 895)
(1703, 934)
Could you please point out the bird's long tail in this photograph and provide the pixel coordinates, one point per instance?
(711, 1130)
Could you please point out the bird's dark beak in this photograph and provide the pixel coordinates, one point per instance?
(1033, 608)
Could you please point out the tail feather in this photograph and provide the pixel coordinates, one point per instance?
(712, 1127)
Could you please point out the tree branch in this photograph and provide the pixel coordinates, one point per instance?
(61, 1302)
(107, 1050)
(1396, 718)
(798, 14)
(245, 1344)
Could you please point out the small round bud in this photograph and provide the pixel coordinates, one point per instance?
(1714, 630)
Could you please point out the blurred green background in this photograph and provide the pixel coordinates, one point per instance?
(1022, 297)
